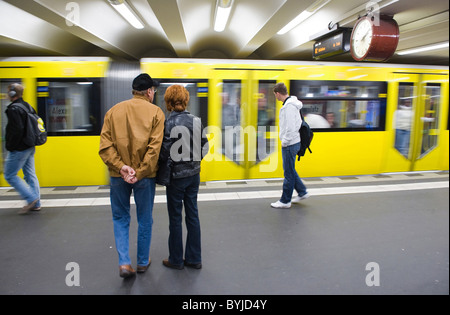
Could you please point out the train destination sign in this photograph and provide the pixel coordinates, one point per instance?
(332, 45)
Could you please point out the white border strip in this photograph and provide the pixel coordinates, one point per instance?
(243, 195)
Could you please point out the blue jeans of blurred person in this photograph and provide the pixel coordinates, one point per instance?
(184, 190)
(144, 196)
(291, 179)
(402, 141)
(28, 187)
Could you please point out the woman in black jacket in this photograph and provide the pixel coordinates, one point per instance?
(183, 148)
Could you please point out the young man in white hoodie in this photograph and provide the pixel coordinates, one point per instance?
(290, 122)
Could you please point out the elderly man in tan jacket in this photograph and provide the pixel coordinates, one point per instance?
(130, 143)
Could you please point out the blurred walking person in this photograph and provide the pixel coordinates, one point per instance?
(290, 122)
(20, 156)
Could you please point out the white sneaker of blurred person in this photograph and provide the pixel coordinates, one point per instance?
(280, 205)
(300, 198)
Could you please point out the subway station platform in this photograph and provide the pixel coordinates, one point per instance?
(363, 235)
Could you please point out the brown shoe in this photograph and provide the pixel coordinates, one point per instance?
(126, 271)
(169, 265)
(195, 266)
(142, 269)
(28, 207)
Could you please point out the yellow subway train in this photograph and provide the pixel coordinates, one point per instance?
(367, 118)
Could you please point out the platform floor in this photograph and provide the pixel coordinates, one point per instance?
(400, 222)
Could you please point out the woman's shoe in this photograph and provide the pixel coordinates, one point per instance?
(169, 265)
(195, 266)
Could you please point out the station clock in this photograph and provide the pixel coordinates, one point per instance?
(374, 39)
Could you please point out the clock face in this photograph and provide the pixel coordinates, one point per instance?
(362, 38)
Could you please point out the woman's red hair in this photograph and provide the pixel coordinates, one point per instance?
(177, 98)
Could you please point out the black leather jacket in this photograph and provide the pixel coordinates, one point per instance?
(184, 144)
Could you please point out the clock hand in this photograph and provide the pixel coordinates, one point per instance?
(364, 37)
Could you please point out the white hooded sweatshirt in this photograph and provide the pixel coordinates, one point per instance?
(290, 121)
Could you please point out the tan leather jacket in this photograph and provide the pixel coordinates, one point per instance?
(132, 134)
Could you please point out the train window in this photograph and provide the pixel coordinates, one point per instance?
(198, 96)
(404, 117)
(231, 118)
(266, 104)
(266, 118)
(430, 119)
(70, 107)
(337, 90)
(233, 129)
(342, 105)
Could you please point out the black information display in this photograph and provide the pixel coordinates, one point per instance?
(332, 45)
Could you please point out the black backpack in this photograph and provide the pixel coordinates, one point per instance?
(35, 133)
(306, 136)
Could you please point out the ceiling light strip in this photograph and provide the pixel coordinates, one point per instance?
(222, 14)
(350, 17)
(127, 13)
(303, 16)
(423, 48)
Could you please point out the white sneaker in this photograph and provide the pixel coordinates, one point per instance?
(298, 198)
(280, 205)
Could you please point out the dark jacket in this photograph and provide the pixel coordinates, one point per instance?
(184, 144)
(15, 128)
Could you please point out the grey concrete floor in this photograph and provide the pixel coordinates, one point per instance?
(327, 245)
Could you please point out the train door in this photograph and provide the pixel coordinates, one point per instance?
(246, 119)
(417, 121)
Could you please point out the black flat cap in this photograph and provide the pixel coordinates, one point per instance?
(143, 82)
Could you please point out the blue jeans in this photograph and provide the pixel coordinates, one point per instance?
(144, 196)
(28, 188)
(402, 141)
(291, 179)
(184, 190)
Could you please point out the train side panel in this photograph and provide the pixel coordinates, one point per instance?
(244, 89)
(336, 152)
(70, 161)
(64, 160)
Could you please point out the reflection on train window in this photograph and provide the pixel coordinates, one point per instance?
(430, 119)
(266, 118)
(70, 107)
(260, 121)
(231, 120)
(404, 117)
(266, 104)
(342, 105)
(198, 97)
(336, 90)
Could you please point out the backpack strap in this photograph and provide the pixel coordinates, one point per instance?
(22, 106)
(301, 115)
